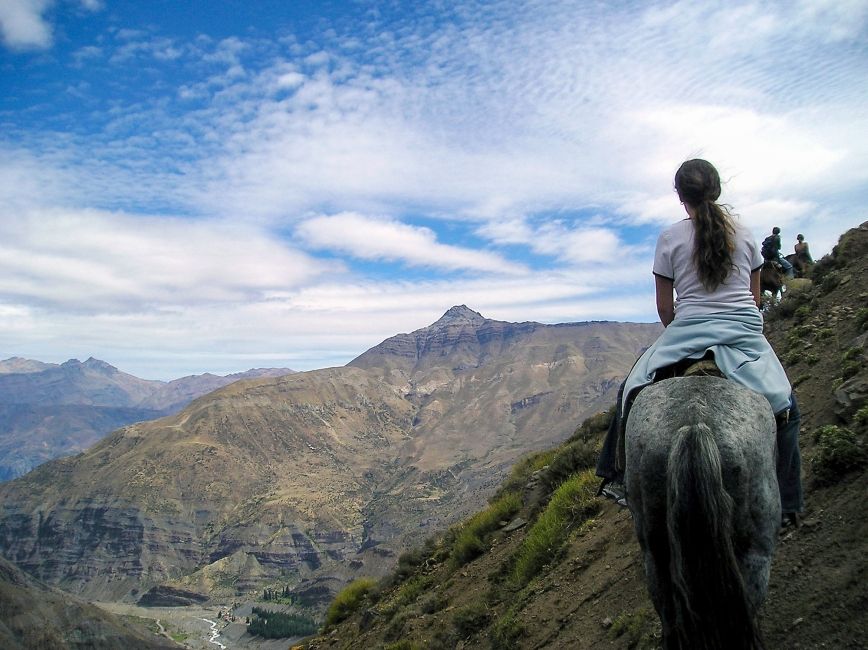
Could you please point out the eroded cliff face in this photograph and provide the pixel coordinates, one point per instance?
(314, 478)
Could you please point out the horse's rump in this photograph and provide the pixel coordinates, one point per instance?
(702, 486)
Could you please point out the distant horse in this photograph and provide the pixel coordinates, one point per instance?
(701, 483)
(771, 278)
(801, 266)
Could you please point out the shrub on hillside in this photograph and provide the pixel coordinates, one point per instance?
(402, 645)
(522, 471)
(570, 506)
(838, 452)
(433, 602)
(395, 629)
(637, 629)
(470, 619)
(593, 427)
(569, 459)
(471, 536)
(506, 631)
(410, 561)
(405, 595)
(349, 600)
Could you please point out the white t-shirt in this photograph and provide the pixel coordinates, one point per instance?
(673, 259)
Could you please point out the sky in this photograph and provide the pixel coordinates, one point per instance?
(193, 186)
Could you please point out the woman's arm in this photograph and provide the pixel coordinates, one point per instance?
(665, 304)
(755, 287)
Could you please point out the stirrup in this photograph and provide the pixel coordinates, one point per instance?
(614, 491)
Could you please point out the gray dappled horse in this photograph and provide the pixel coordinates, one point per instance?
(701, 483)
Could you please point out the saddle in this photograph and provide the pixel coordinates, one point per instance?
(704, 367)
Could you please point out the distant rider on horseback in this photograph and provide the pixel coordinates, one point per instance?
(712, 264)
(771, 251)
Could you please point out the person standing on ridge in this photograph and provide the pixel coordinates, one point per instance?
(711, 263)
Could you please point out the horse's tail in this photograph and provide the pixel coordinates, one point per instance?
(699, 522)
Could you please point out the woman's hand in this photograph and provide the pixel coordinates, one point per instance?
(665, 301)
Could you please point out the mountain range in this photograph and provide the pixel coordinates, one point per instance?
(312, 478)
(52, 410)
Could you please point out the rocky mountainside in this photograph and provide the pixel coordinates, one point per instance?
(37, 616)
(549, 565)
(51, 410)
(313, 478)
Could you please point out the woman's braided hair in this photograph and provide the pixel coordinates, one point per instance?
(698, 185)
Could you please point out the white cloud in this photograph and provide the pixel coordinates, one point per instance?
(95, 261)
(385, 239)
(581, 244)
(22, 24)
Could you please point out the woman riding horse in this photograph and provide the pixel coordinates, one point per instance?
(712, 265)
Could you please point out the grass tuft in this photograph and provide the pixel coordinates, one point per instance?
(471, 536)
(570, 506)
(348, 600)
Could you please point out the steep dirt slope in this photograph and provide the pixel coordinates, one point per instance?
(590, 591)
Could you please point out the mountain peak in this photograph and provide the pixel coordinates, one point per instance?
(461, 314)
(91, 363)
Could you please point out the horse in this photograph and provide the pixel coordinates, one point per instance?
(702, 488)
(771, 278)
(801, 265)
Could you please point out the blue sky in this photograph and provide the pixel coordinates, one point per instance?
(213, 186)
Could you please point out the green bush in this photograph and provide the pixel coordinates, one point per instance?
(569, 459)
(802, 313)
(471, 536)
(406, 594)
(824, 333)
(401, 645)
(570, 506)
(348, 600)
(522, 470)
(506, 631)
(470, 619)
(850, 369)
(637, 629)
(594, 426)
(444, 638)
(411, 560)
(433, 602)
(861, 417)
(838, 451)
(395, 629)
